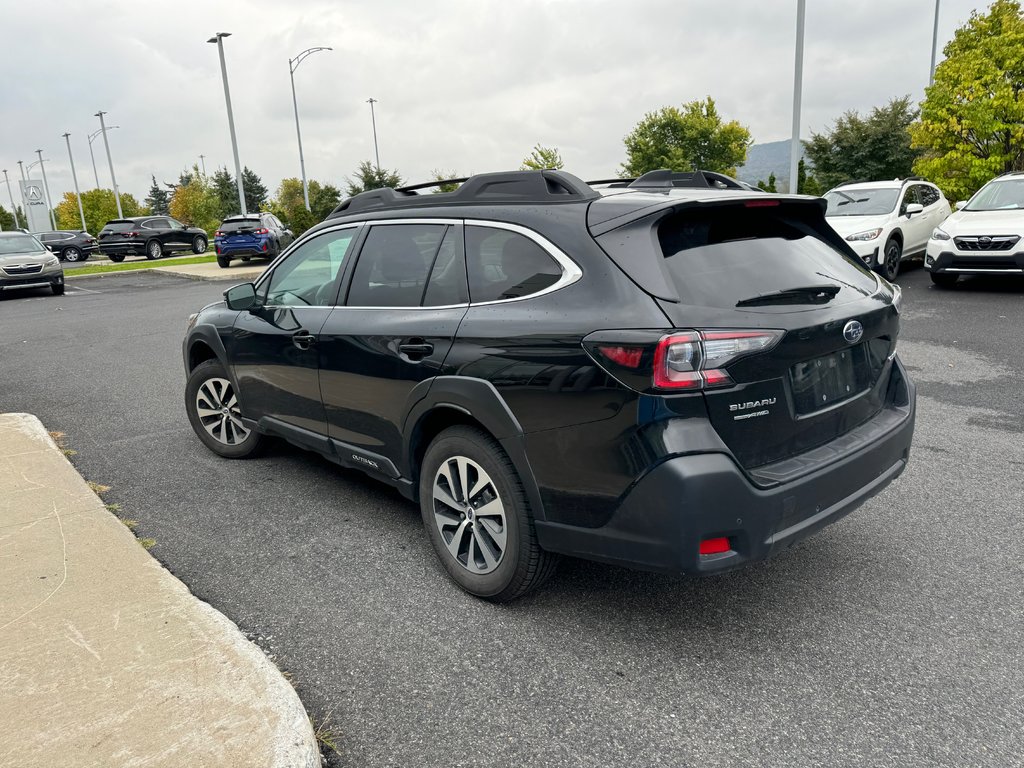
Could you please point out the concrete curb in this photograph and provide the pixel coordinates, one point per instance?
(190, 274)
(104, 654)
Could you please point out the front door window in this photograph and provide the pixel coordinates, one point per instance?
(308, 277)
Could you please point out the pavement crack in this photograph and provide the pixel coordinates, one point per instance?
(64, 578)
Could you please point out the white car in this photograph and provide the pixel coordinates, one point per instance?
(983, 237)
(886, 222)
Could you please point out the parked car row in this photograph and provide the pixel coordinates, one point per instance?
(888, 222)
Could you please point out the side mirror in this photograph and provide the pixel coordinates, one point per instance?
(241, 297)
(961, 204)
(913, 208)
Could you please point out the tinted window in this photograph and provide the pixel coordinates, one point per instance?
(393, 265)
(929, 195)
(236, 225)
(173, 224)
(506, 265)
(447, 284)
(909, 197)
(155, 224)
(119, 226)
(718, 258)
(308, 277)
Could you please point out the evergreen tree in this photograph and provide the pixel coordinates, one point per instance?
(223, 185)
(368, 176)
(255, 191)
(158, 199)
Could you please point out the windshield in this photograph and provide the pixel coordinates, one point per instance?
(861, 202)
(999, 196)
(19, 244)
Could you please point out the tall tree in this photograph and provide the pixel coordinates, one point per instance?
(768, 186)
(807, 184)
(693, 137)
(255, 191)
(99, 208)
(196, 204)
(972, 118)
(368, 177)
(224, 187)
(158, 198)
(542, 159)
(874, 147)
(290, 207)
(7, 220)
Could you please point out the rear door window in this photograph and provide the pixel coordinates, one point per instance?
(393, 265)
(717, 258)
(506, 265)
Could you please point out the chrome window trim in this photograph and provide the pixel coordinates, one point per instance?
(571, 272)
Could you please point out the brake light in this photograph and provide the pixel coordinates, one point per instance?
(132, 234)
(697, 359)
(628, 357)
(218, 233)
(760, 203)
(262, 231)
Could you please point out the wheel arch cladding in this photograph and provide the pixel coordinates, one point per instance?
(448, 401)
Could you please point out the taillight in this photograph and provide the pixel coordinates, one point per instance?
(132, 234)
(697, 359)
(218, 233)
(262, 231)
(629, 357)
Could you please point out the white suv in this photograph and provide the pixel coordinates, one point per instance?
(984, 236)
(886, 222)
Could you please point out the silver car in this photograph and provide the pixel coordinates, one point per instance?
(26, 263)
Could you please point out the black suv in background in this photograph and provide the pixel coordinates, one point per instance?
(254, 234)
(661, 374)
(149, 236)
(69, 244)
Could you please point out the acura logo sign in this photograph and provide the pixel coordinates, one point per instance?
(33, 193)
(852, 331)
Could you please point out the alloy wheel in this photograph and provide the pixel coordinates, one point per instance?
(154, 250)
(72, 254)
(217, 408)
(892, 260)
(469, 515)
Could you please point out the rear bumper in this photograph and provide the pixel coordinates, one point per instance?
(232, 250)
(123, 249)
(661, 521)
(974, 263)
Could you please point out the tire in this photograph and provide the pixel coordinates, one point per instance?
(58, 289)
(223, 262)
(516, 563)
(116, 258)
(199, 244)
(208, 392)
(72, 254)
(944, 279)
(889, 265)
(154, 250)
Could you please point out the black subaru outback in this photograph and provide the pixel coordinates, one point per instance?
(663, 373)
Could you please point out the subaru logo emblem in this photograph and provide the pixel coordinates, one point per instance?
(852, 331)
(985, 242)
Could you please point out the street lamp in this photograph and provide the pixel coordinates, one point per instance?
(22, 169)
(371, 101)
(293, 64)
(14, 208)
(795, 148)
(92, 136)
(219, 40)
(935, 41)
(113, 179)
(74, 176)
(202, 159)
(46, 188)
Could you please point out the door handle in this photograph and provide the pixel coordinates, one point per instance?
(416, 350)
(303, 340)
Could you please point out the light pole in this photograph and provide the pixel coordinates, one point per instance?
(92, 136)
(219, 40)
(935, 41)
(371, 101)
(293, 64)
(202, 159)
(113, 179)
(22, 169)
(14, 208)
(74, 176)
(795, 149)
(46, 188)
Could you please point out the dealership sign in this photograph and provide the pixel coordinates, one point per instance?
(34, 201)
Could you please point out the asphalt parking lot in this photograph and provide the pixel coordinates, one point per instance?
(894, 637)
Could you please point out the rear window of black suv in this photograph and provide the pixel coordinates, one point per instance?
(720, 257)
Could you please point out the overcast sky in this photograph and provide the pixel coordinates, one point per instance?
(469, 85)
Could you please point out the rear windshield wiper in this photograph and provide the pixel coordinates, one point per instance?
(805, 294)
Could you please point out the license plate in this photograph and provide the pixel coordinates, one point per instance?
(829, 379)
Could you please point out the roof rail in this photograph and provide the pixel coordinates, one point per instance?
(848, 182)
(699, 179)
(429, 184)
(913, 178)
(482, 189)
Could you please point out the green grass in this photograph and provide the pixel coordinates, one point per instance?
(147, 264)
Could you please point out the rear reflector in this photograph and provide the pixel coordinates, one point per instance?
(628, 357)
(715, 546)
